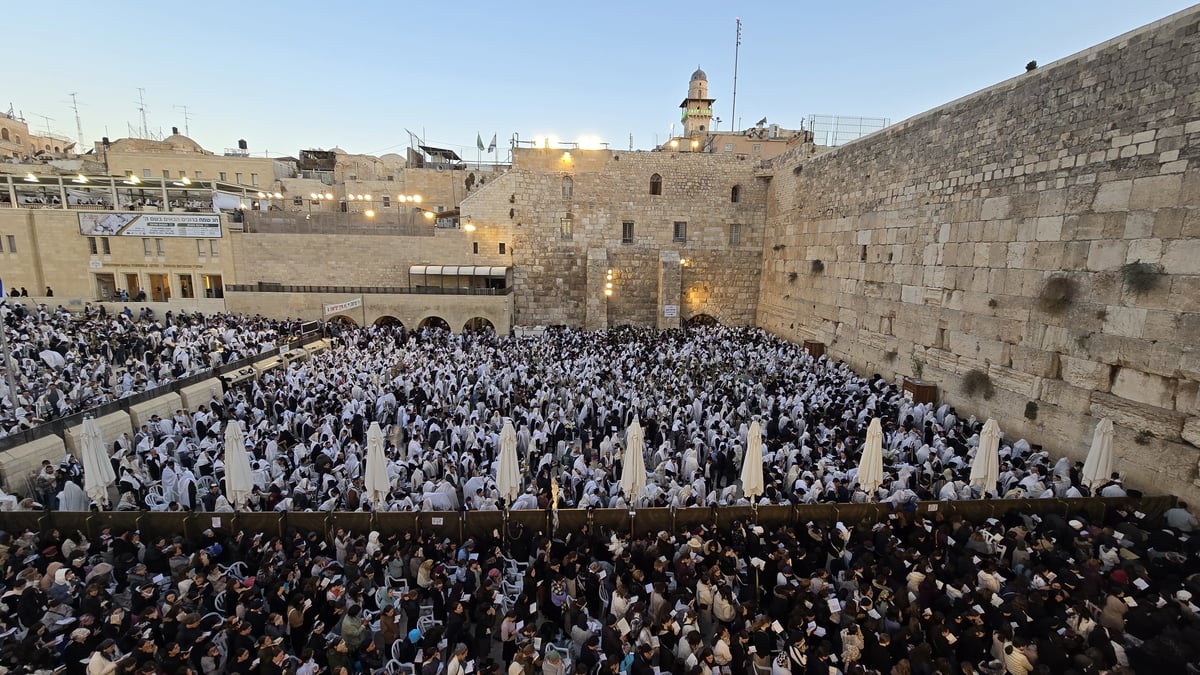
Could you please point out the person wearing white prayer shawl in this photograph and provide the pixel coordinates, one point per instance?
(73, 498)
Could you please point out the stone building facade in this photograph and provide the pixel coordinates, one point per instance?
(680, 232)
(1033, 249)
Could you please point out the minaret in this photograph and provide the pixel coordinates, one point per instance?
(697, 107)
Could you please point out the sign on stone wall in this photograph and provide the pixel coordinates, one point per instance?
(670, 311)
(192, 225)
(343, 306)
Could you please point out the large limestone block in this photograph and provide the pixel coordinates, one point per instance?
(112, 426)
(1034, 361)
(1182, 257)
(1113, 196)
(1164, 424)
(194, 395)
(19, 463)
(1155, 192)
(1144, 388)
(1106, 254)
(1191, 431)
(1125, 321)
(1024, 384)
(1086, 374)
(163, 406)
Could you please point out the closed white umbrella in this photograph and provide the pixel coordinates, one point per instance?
(98, 471)
(633, 469)
(870, 465)
(508, 471)
(1098, 466)
(985, 469)
(239, 479)
(375, 479)
(752, 463)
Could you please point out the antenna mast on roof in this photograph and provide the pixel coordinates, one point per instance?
(736, 48)
(187, 117)
(46, 121)
(78, 122)
(145, 131)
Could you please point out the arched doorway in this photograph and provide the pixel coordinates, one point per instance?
(479, 324)
(702, 321)
(434, 322)
(388, 322)
(343, 320)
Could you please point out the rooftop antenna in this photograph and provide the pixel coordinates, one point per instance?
(631, 142)
(145, 132)
(187, 117)
(78, 122)
(736, 48)
(46, 121)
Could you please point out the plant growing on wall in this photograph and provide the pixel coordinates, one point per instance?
(818, 267)
(975, 382)
(1031, 410)
(792, 276)
(1144, 437)
(918, 367)
(1141, 277)
(1057, 295)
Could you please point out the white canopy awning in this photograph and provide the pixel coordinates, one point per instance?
(459, 271)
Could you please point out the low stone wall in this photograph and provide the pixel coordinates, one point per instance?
(111, 428)
(19, 463)
(200, 393)
(163, 406)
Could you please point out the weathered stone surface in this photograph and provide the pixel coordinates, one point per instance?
(1144, 388)
(1191, 431)
(1086, 374)
(1164, 424)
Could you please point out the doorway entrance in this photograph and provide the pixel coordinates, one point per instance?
(106, 286)
(160, 287)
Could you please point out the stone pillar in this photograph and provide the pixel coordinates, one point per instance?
(596, 309)
(670, 289)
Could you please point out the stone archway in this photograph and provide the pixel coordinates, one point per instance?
(434, 322)
(479, 324)
(388, 321)
(701, 321)
(343, 319)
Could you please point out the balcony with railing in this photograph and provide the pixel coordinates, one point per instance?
(383, 222)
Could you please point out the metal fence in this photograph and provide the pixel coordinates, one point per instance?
(61, 424)
(416, 290)
(384, 223)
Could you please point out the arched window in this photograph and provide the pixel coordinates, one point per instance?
(735, 195)
(3, 134)
(568, 187)
(656, 184)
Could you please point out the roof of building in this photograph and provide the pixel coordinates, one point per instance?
(699, 75)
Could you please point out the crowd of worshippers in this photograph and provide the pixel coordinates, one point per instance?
(912, 594)
(442, 400)
(68, 362)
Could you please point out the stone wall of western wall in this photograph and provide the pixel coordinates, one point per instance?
(942, 240)
(560, 275)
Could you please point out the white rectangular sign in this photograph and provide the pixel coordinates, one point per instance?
(192, 225)
(670, 311)
(343, 306)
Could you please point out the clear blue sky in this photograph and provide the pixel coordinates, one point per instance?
(292, 75)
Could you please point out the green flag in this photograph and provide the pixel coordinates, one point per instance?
(479, 141)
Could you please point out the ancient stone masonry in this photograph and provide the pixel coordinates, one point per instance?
(576, 215)
(1044, 232)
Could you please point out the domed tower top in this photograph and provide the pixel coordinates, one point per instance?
(697, 107)
(698, 87)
